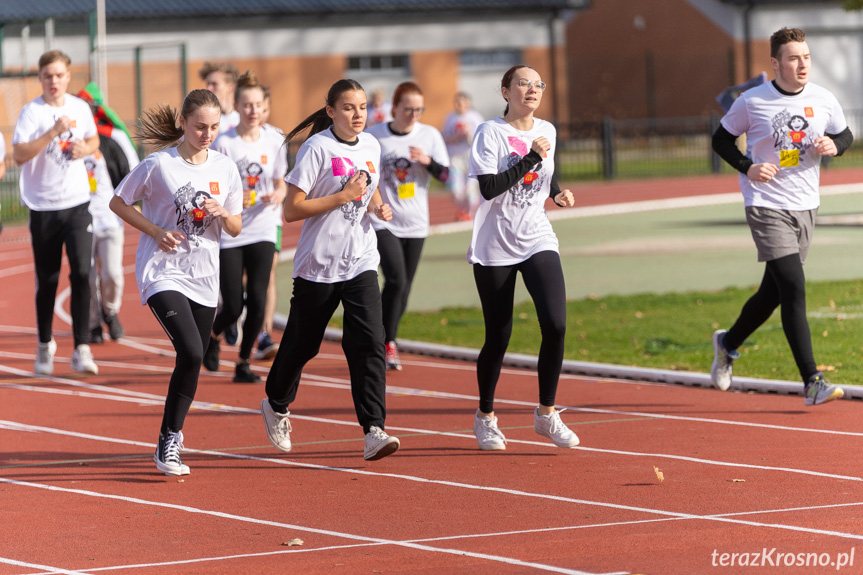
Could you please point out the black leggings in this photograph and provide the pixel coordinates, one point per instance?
(543, 278)
(188, 324)
(312, 306)
(257, 260)
(49, 231)
(783, 284)
(399, 260)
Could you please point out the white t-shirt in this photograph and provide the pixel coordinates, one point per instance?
(340, 244)
(781, 130)
(101, 192)
(454, 128)
(513, 226)
(172, 191)
(404, 184)
(2, 148)
(259, 164)
(228, 121)
(52, 180)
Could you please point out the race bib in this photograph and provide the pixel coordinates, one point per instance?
(406, 190)
(789, 158)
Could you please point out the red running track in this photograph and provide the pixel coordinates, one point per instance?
(749, 474)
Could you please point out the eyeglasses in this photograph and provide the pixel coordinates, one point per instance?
(525, 83)
(412, 111)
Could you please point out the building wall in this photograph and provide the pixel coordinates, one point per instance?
(630, 58)
(300, 62)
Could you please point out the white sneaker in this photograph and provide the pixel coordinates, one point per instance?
(488, 436)
(45, 358)
(82, 360)
(167, 456)
(552, 427)
(278, 426)
(720, 371)
(378, 444)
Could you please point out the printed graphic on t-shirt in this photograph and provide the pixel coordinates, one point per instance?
(191, 216)
(353, 208)
(60, 149)
(524, 192)
(90, 164)
(396, 171)
(250, 173)
(790, 137)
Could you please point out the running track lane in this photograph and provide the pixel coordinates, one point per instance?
(79, 491)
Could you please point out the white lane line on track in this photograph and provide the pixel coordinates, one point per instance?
(301, 528)
(723, 518)
(141, 398)
(338, 383)
(15, 270)
(48, 569)
(468, 536)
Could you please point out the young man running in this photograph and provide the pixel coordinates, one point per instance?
(789, 124)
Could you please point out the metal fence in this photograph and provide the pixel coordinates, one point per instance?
(612, 149)
(665, 147)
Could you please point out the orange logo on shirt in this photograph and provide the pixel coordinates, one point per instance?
(371, 167)
(214, 188)
(810, 113)
(264, 160)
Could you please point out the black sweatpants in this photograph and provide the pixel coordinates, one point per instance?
(399, 260)
(188, 324)
(312, 306)
(257, 260)
(49, 232)
(783, 284)
(543, 278)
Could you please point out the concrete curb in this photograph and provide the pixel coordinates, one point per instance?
(664, 376)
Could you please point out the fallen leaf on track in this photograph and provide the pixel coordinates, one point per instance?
(659, 475)
(293, 542)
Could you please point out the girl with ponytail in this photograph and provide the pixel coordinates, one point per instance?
(333, 187)
(189, 196)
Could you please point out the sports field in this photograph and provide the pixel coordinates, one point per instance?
(667, 479)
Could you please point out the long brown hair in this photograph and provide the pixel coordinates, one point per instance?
(159, 127)
(507, 80)
(320, 120)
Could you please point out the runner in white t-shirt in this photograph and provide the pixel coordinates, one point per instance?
(53, 135)
(790, 124)
(189, 196)
(513, 159)
(267, 348)
(262, 161)
(333, 187)
(459, 126)
(411, 153)
(106, 168)
(221, 79)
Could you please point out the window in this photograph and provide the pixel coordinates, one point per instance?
(485, 59)
(399, 63)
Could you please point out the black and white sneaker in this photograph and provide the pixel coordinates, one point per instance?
(167, 456)
(267, 348)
